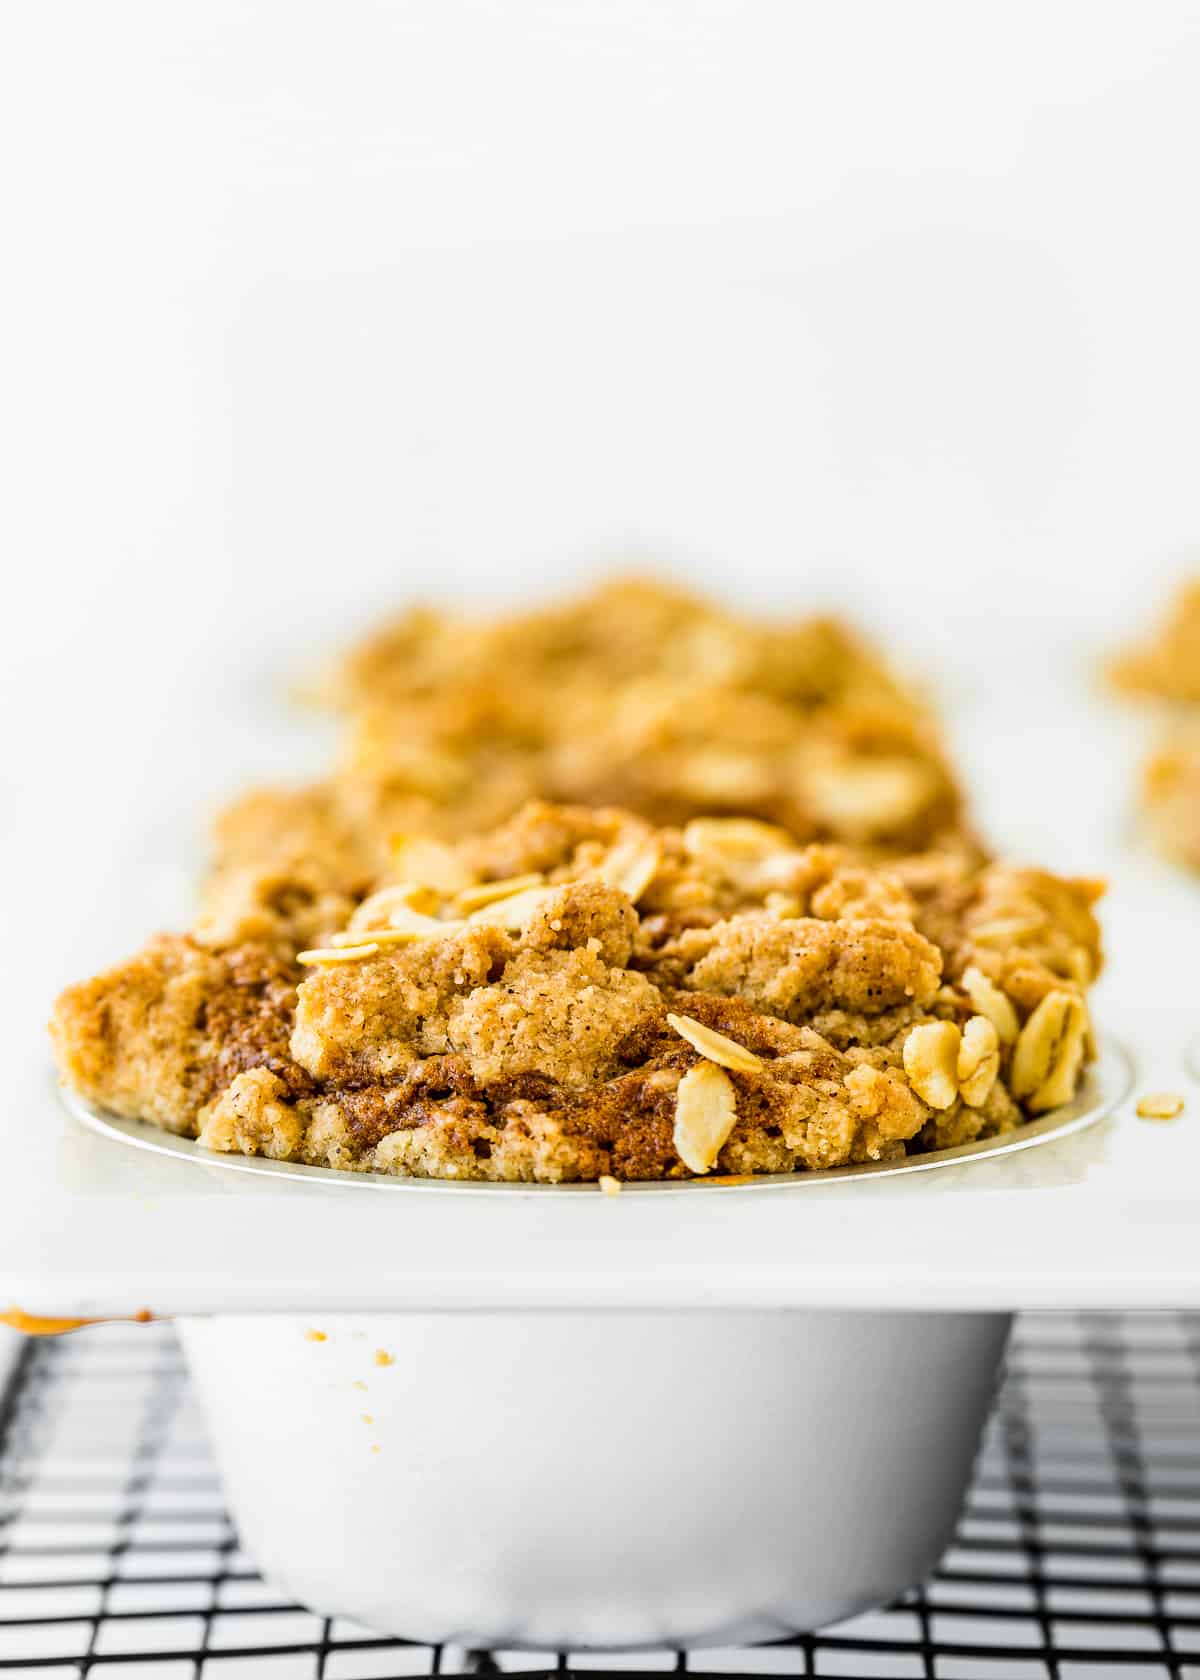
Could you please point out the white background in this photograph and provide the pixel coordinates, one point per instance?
(308, 308)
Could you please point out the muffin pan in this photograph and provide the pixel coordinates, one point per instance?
(1103, 1217)
(1104, 1086)
(850, 1326)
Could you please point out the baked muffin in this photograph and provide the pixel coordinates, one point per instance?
(579, 994)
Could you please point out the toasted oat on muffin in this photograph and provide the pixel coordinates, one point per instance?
(579, 994)
(634, 695)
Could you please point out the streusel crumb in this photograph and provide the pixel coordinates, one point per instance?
(765, 1006)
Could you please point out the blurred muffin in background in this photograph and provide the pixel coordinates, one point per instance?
(1166, 667)
(635, 694)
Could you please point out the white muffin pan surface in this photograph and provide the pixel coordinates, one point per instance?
(1104, 1215)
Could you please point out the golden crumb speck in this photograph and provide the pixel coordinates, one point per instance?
(1160, 1105)
(315, 1336)
(609, 1186)
(375, 1447)
(383, 1357)
(359, 1383)
(367, 1418)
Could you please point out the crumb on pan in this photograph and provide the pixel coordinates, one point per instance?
(1160, 1105)
(765, 1006)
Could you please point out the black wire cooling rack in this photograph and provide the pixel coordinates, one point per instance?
(1077, 1557)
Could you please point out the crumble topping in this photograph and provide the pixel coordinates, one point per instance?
(634, 695)
(583, 995)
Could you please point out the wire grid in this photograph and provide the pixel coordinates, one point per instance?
(1077, 1556)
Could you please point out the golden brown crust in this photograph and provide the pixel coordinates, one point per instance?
(529, 1037)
